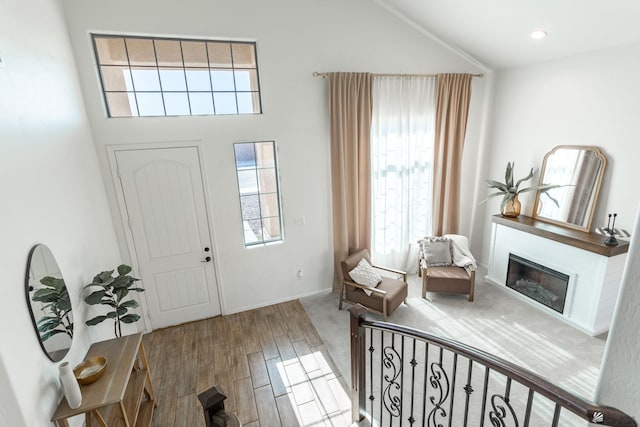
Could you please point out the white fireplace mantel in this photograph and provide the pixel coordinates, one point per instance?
(594, 269)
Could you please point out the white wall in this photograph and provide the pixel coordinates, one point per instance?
(294, 38)
(51, 192)
(619, 376)
(590, 99)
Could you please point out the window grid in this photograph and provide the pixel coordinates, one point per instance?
(253, 80)
(256, 234)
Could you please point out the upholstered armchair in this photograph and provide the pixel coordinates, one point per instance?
(377, 293)
(447, 265)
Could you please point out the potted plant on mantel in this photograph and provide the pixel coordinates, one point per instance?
(112, 292)
(510, 205)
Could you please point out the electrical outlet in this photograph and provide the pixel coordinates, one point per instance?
(300, 273)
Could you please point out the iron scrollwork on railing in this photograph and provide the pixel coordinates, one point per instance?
(371, 351)
(439, 382)
(431, 391)
(468, 389)
(498, 415)
(392, 363)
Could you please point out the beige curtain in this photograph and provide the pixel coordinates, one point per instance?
(452, 109)
(350, 120)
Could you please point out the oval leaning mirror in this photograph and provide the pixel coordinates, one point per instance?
(49, 303)
(579, 169)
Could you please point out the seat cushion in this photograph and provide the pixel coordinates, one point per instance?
(397, 291)
(453, 280)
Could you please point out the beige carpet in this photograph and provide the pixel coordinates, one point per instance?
(496, 322)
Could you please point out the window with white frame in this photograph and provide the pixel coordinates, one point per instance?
(258, 185)
(154, 76)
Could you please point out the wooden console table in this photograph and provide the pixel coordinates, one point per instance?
(123, 396)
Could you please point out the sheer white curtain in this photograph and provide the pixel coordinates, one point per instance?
(402, 144)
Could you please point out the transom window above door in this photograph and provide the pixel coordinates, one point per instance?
(153, 76)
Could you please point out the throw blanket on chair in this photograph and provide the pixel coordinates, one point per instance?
(462, 256)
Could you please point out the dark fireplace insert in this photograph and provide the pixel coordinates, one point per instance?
(540, 283)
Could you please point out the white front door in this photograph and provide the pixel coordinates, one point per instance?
(166, 209)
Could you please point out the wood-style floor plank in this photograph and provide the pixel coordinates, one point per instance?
(259, 373)
(238, 363)
(324, 395)
(288, 411)
(304, 353)
(205, 328)
(221, 356)
(185, 412)
(269, 347)
(310, 414)
(250, 331)
(292, 320)
(234, 323)
(269, 362)
(169, 367)
(285, 348)
(187, 380)
(226, 383)
(276, 322)
(277, 377)
(245, 401)
(206, 369)
(266, 404)
(267, 341)
(220, 331)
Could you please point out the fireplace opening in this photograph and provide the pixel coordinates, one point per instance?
(540, 283)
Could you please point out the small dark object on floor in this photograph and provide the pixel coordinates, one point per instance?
(212, 401)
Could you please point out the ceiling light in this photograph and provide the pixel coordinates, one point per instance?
(539, 34)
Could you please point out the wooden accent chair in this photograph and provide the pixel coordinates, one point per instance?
(385, 298)
(448, 279)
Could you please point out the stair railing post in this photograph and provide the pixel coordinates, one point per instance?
(358, 386)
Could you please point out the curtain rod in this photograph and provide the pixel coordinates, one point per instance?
(325, 75)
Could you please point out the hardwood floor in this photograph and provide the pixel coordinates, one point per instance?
(271, 363)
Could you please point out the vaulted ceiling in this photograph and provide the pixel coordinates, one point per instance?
(497, 32)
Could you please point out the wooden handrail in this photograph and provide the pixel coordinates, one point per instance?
(589, 411)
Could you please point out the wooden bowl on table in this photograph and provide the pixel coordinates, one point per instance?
(90, 370)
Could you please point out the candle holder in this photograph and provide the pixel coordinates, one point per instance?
(611, 240)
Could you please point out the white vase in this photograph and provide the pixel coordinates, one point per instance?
(70, 385)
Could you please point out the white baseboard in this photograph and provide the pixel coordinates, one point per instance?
(278, 301)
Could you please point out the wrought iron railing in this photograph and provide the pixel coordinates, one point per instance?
(401, 376)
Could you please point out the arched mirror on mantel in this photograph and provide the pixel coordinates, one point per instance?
(579, 170)
(49, 303)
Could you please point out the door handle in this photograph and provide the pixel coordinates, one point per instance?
(206, 259)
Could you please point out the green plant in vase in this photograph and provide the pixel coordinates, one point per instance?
(510, 205)
(113, 292)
